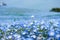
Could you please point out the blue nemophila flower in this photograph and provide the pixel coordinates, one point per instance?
(51, 33)
(15, 26)
(36, 22)
(24, 32)
(54, 22)
(42, 27)
(35, 30)
(25, 25)
(40, 37)
(17, 36)
(33, 36)
(9, 37)
(57, 35)
(31, 33)
(29, 38)
(31, 23)
(22, 38)
(4, 27)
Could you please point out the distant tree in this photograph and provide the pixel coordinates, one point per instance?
(55, 9)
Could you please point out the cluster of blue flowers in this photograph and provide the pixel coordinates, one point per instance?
(31, 30)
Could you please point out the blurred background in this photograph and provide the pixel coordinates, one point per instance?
(33, 4)
(24, 9)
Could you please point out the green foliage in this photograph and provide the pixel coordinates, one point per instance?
(55, 9)
(1, 33)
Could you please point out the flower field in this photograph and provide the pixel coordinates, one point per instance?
(31, 30)
(29, 19)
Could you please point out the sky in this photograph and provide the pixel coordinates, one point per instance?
(32, 4)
